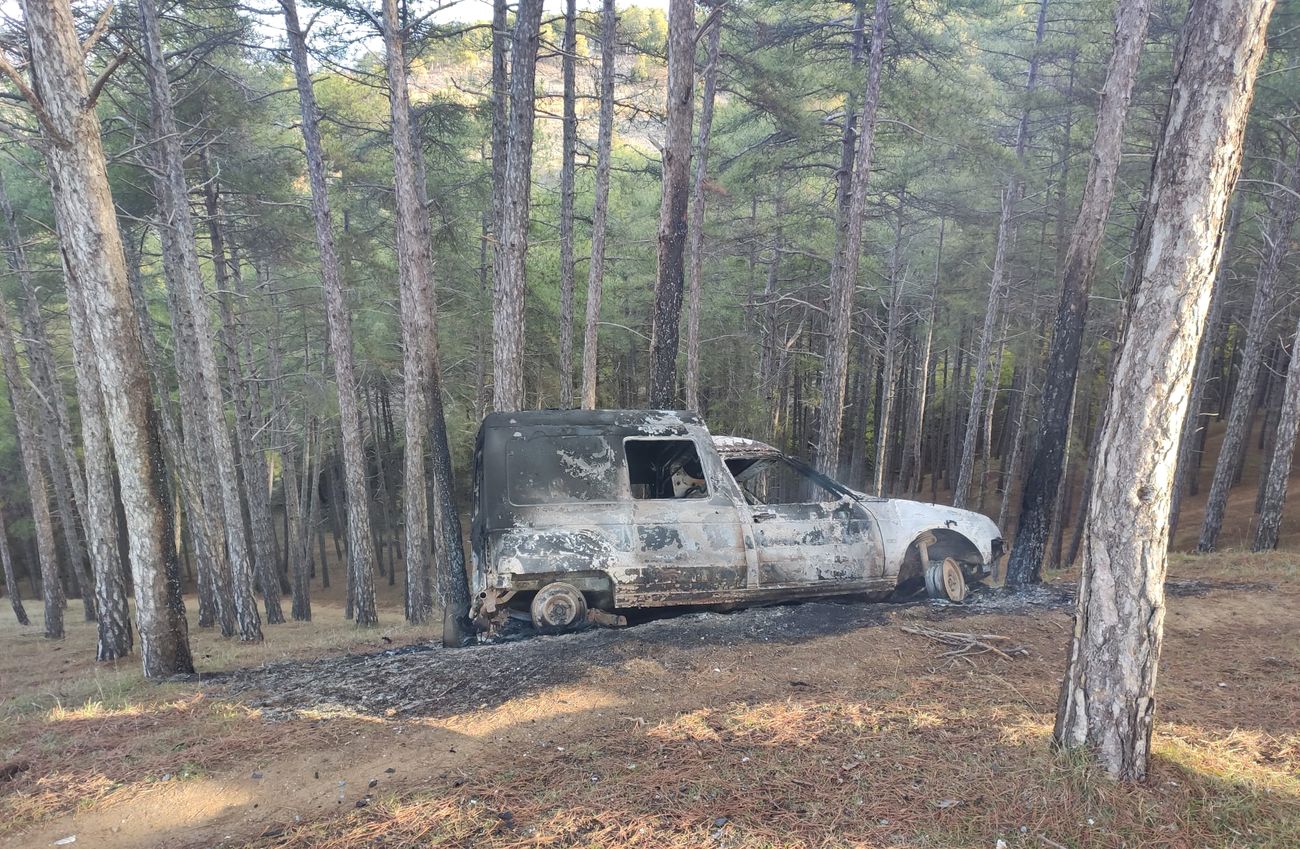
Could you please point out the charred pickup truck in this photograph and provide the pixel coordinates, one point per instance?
(582, 514)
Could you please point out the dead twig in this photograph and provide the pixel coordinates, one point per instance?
(965, 645)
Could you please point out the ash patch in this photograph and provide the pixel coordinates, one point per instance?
(427, 680)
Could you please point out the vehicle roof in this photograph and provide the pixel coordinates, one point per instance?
(739, 446)
(650, 421)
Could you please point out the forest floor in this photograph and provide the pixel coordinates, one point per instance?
(796, 726)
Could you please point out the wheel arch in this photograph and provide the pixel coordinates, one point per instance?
(938, 543)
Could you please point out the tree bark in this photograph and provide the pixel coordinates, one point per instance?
(696, 229)
(181, 264)
(568, 152)
(1285, 209)
(361, 550)
(96, 272)
(997, 284)
(670, 276)
(1108, 695)
(23, 406)
(11, 583)
(510, 281)
(1193, 424)
(1279, 465)
(835, 369)
(600, 212)
(1045, 468)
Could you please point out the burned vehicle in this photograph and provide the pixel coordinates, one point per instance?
(590, 514)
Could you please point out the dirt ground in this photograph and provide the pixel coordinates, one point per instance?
(805, 725)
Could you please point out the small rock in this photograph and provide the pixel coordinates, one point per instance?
(374, 782)
(506, 815)
(361, 803)
(1001, 844)
(257, 776)
(66, 841)
(167, 777)
(947, 803)
(719, 822)
(390, 770)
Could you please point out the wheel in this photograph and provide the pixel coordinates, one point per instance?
(945, 580)
(558, 605)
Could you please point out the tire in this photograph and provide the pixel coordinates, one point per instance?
(945, 580)
(558, 605)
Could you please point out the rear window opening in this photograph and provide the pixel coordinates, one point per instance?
(664, 468)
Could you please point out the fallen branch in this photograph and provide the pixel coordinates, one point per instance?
(964, 645)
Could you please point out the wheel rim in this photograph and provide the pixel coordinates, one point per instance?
(558, 605)
(954, 583)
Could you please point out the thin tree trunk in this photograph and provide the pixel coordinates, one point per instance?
(909, 479)
(1232, 452)
(997, 284)
(361, 552)
(23, 406)
(600, 212)
(296, 538)
(696, 228)
(568, 152)
(1279, 466)
(96, 271)
(11, 583)
(889, 367)
(510, 283)
(848, 256)
(1108, 694)
(248, 424)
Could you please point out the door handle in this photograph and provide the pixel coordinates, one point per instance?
(762, 515)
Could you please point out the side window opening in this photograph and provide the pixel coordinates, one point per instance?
(772, 482)
(664, 468)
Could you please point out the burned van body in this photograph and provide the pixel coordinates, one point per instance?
(587, 513)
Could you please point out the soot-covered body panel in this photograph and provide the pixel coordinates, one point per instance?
(644, 508)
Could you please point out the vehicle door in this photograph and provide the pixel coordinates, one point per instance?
(808, 534)
(688, 537)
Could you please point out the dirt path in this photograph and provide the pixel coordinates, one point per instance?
(423, 716)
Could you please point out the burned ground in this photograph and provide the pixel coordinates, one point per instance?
(427, 680)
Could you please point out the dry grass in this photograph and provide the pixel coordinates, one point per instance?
(80, 735)
(870, 737)
(888, 743)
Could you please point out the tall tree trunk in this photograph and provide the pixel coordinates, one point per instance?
(11, 583)
(909, 478)
(667, 310)
(568, 152)
(176, 228)
(416, 285)
(1232, 452)
(23, 406)
(296, 536)
(1045, 468)
(248, 424)
(96, 272)
(600, 212)
(1108, 694)
(997, 283)
(361, 551)
(696, 229)
(889, 366)
(835, 369)
(510, 281)
(52, 414)
(1279, 466)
